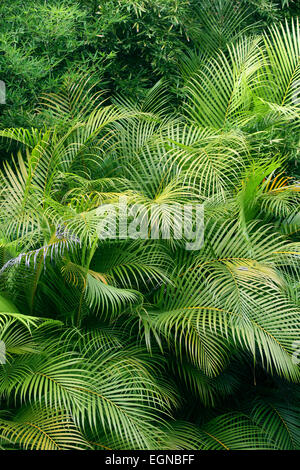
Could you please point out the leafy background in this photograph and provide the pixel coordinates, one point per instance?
(122, 344)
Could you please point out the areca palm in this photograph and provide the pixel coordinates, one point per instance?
(107, 339)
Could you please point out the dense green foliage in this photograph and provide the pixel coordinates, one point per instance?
(143, 344)
(131, 44)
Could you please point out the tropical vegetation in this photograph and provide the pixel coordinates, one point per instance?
(144, 344)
